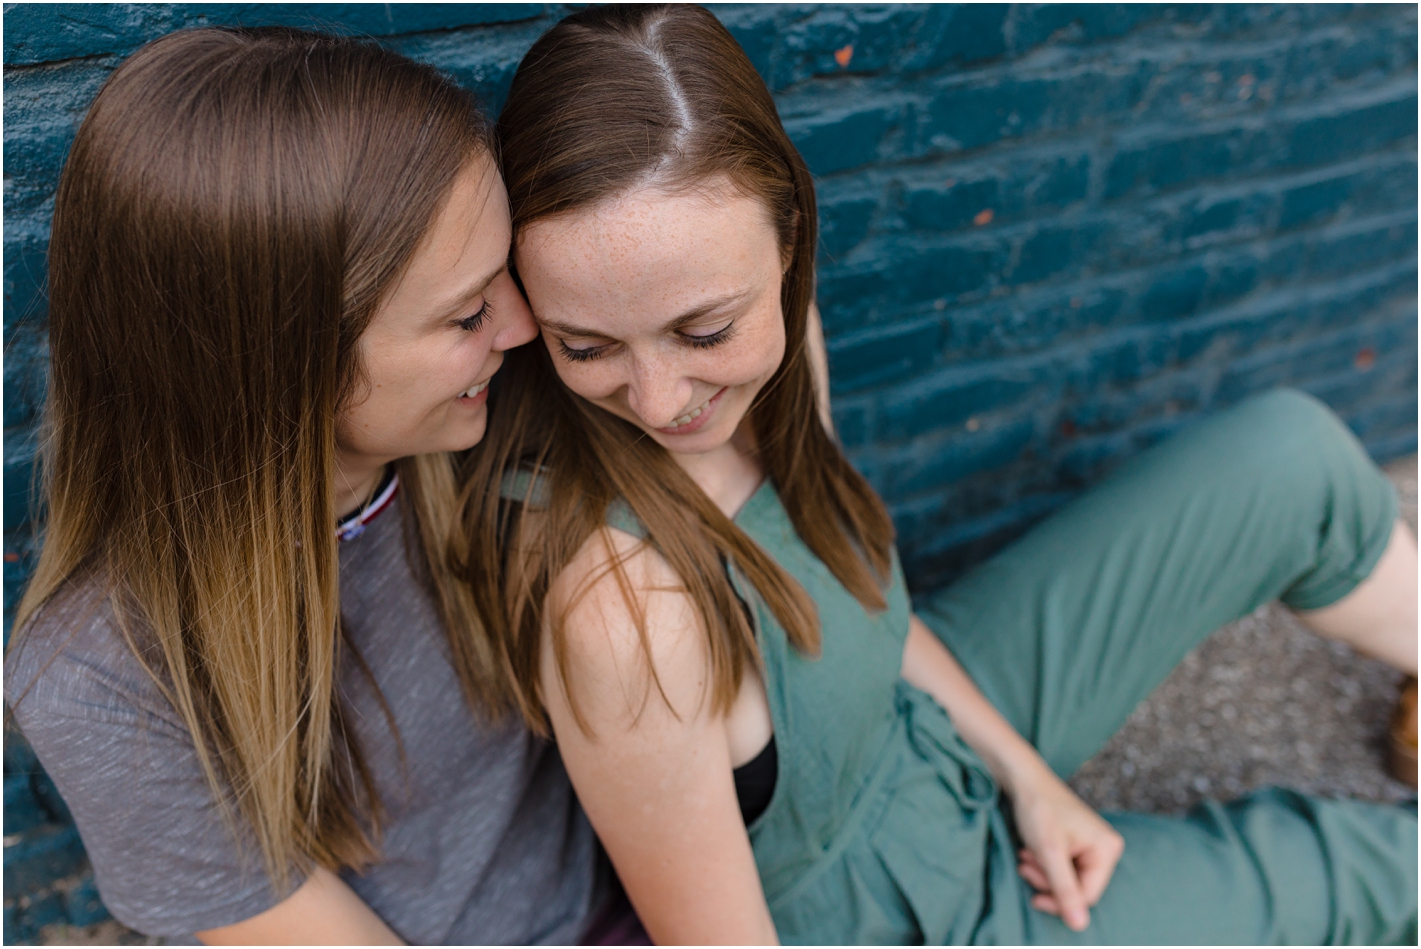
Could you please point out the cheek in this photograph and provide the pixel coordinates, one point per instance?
(763, 349)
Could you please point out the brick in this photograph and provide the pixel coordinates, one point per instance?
(956, 34)
(22, 809)
(1090, 460)
(41, 33)
(861, 291)
(947, 207)
(1373, 121)
(16, 932)
(1175, 294)
(1318, 356)
(1392, 419)
(1029, 321)
(869, 39)
(1350, 391)
(1335, 130)
(1361, 244)
(1114, 408)
(1036, 24)
(1057, 249)
(852, 421)
(756, 28)
(844, 222)
(49, 799)
(840, 139)
(40, 856)
(82, 904)
(26, 368)
(21, 553)
(25, 274)
(483, 60)
(952, 196)
(19, 476)
(968, 542)
(945, 456)
(882, 353)
(951, 396)
(45, 909)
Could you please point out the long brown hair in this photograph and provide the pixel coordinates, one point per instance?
(611, 99)
(236, 206)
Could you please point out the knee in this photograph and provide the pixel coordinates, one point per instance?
(1290, 428)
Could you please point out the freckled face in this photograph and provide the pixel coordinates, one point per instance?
(663, 309)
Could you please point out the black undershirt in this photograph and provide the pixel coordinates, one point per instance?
(755, 782)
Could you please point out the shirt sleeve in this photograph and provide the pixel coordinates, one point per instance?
(168, 860)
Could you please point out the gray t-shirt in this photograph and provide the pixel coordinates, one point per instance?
(483, 840)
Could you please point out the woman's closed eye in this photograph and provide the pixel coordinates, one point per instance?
(697, 337)
(694, 336)
(475, 321)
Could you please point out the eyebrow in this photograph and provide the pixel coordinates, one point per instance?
(690, 316)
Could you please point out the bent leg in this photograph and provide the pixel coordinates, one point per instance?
(1378, 618)
(1274, 868)
(1068, 629)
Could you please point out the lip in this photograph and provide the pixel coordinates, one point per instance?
(478, 398)
(700, 421)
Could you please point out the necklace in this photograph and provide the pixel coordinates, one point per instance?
(353, 525)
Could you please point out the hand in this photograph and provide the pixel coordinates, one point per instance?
(1070, 850)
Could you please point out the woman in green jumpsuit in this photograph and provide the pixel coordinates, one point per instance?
(1066, 631)
(664, 235)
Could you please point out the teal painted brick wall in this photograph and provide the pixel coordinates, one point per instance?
(1052, 234)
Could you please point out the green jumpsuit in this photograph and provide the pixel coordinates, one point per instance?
(886, 828)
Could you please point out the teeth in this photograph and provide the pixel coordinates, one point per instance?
(472, 391)
(690, 416)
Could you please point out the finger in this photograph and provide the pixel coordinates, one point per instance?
(1096, 865)
(1033, 874)
(1045, 904)
(1061, 873)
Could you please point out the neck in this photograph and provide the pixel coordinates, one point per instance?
(356, 481)
(728, 475)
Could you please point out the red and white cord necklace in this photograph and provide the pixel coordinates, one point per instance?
(354, 525)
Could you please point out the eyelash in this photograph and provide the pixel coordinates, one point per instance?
(475, 322)
(697, 342)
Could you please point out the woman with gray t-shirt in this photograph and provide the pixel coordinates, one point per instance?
(279, 290)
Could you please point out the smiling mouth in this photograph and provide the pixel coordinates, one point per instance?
(474, 390)
(693, 419)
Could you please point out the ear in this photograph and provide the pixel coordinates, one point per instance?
(787, 246)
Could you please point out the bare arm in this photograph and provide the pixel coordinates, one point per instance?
(1070, 850)
(322, 912)
(653, 774)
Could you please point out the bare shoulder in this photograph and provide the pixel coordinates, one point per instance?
(629, 630)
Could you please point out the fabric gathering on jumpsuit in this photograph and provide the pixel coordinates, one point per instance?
(885, 827)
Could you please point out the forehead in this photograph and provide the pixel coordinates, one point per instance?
(656, 248)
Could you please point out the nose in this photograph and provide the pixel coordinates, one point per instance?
(657, 392)
(515, 319)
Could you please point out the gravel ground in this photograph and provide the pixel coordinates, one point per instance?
(1261, 702)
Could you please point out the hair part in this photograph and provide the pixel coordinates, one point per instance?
(612, 100)
(234, 210)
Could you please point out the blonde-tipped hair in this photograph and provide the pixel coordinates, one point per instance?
(236, 206)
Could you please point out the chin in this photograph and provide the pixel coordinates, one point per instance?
(467, 437)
